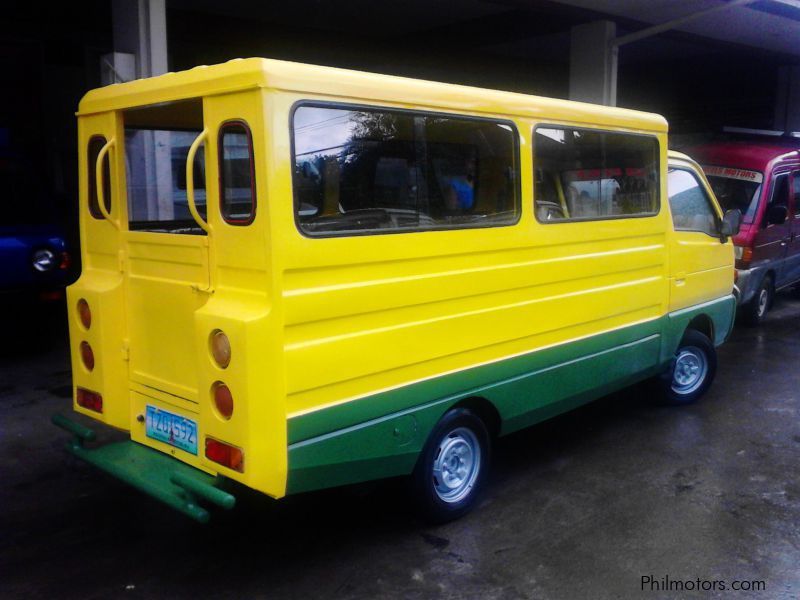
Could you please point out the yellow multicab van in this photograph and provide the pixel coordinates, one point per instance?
(297, 277)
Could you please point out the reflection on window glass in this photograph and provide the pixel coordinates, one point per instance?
(690, 207)
(380, 170)
(581, 174)
(156, 175)
(237, 200)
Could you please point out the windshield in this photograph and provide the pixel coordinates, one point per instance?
(736, 188)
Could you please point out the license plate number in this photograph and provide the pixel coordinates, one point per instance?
(171, 429)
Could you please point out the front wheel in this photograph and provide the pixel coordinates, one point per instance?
(692, 370)
(755, 311)
(452, 468)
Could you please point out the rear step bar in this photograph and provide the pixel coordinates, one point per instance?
(172, 482)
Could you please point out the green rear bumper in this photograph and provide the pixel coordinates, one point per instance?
(150, 471)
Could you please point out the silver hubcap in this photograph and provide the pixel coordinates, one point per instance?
(691, 367)
(457, 464)
(763, 299)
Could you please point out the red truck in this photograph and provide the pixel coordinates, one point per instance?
(762, 179)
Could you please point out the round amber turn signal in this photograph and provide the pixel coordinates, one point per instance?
(220, 348)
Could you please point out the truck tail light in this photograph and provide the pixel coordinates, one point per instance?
(225, 454)
(88, 399)
(223, 400)
(87, 356)
(84, 313)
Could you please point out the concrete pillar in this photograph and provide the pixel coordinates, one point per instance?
(140, 28)
(787, 101)
(593, 63)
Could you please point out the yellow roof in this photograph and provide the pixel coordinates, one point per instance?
(242, 74)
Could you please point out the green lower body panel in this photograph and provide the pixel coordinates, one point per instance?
(150, 471)
(382, 435)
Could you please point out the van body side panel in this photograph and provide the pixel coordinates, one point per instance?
(352, 442)
(525, 389)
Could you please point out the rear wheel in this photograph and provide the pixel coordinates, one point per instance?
(692, 370)
(452, 468)
(755, 311)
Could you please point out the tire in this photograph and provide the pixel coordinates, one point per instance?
(692, 370)
(755, 311)
(453, 467)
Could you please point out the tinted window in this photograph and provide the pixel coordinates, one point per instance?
(582, 174)
(796, 192)
(382, 171)
(690, 206)
(95, 145)
(779, 195)
(237, 179)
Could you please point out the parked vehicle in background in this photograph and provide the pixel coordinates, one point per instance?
(34, 262)
(760, 177)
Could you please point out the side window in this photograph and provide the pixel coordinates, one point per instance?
(582, 174)
(690, 206)
(95, 145)
(237, 174)
(796, 192)
(779, 195)
(383, 171)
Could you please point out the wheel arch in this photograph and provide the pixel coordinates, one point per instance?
(485, 410)
(702, 323)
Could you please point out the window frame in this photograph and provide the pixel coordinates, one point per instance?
(717, 220)
(596, 130)
(221, 159)
(91, 191)
(518, 208)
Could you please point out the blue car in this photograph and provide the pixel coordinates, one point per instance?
(34, 260)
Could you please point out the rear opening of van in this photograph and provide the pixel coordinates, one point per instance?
(152, 337)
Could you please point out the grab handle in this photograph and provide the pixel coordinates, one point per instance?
(190, 181)
(99, 183)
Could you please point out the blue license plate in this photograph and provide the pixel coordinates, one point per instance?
(171, 429)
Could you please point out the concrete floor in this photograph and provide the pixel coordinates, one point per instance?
(581, 507)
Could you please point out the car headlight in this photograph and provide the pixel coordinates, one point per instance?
(44, 260)
(738, 251)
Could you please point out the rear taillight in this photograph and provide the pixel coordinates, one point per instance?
(84, 313)
(88, 399)
(87, 356)
(223, 400)
(225, 454)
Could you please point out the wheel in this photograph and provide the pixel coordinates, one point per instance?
(692, 370)
(755, 311)
(452, 468)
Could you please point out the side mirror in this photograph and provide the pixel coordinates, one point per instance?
(731, 223)
(777, 214)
